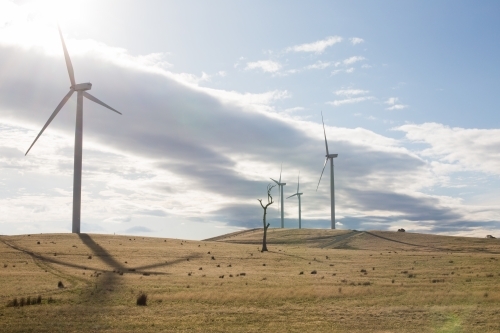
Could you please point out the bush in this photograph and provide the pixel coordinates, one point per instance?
(142, 299)
(314, 272)
(60, 284)
(39, 299)
(13, 302)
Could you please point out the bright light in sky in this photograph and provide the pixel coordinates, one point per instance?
(217, 95)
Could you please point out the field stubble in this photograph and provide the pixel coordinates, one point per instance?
(383, 282)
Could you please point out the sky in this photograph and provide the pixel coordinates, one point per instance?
(217, 95)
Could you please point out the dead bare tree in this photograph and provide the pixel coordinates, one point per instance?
(269, 202)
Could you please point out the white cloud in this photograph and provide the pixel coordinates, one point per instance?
(352, 60)
(465, 149)
(351, 92)
(356, 40)
(392, 102)
(351, 100)
(316, 47)
(349, 70)
(319, 65)
(265, 65)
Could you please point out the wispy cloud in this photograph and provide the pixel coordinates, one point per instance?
(352, 60)
(356, 40)
(351, 92)
(319, 65)
(393, 104)
(316, 47)
(265, 65)
(351, 100)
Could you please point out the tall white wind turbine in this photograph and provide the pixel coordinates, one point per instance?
(80, 89)
(332, 182)
(280, 184)
(298, 196)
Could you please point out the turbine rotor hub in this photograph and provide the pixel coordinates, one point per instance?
(82, 86)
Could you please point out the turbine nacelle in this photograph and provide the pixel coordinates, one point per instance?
(81, 86)
(331, 155)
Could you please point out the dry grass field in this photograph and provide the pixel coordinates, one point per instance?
(309, 281)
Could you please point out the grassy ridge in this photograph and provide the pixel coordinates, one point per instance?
(363, 282)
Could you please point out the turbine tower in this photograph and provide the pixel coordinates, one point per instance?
(332, 182)
(80, 89)
(298, 196)
(280, 184)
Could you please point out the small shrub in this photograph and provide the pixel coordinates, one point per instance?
(89, 257)
(189, 274)
(28, 300)
(221, 276)
(340, 290)
(201, 268)
(404, 272)
(243, 274)
(39, 299)
(314, 272)
(22, 301)
(51, 300)
(5, 265)
(485, 295)
(213, 258)
(451, 261)
(218, 265)
(142, 299)
(146, 274)
(393, 280)
(489, 275)
(412, 275)
(301, 273)
(229, 265)
(38, 243)
(13, 303)
(131, 269)
(60, 284)
(230, 275)
(334, 274)
(263, 264)
(367, 283)
(363, 271)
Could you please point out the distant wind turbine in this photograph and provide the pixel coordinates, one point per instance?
(280, 184)
(298, 196)
(81, 92)
(332, 182)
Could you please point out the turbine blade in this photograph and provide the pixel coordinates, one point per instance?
(326, 143)
(326, 161)
(281, 170)
(56, 111)
(298, 182)
(93, 99)
(274, 181)
(292, 195)
(68, 60)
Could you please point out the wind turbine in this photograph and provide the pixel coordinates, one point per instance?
(280, 184)
(332, 182)
(298, 196)
(80, 89)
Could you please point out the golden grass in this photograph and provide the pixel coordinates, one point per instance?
(364, 282)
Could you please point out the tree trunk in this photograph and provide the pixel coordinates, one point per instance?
(264, 240)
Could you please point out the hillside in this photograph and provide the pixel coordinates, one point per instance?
(310, 280)
(363, 240)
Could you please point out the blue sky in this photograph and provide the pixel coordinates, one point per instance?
(216, 95)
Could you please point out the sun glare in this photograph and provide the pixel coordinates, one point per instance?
(33, 24)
